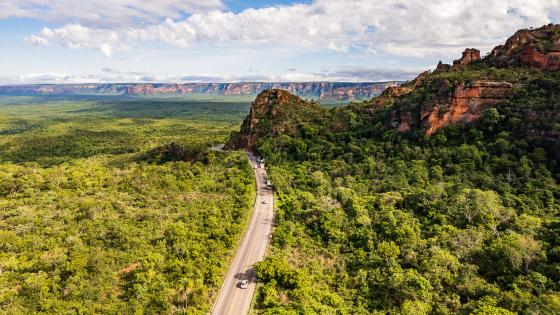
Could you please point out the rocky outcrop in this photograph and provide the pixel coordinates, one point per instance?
(457, 95)
(466, 105)
(470, 55)
(396, 91)
(273, 112)
(533, 56)
(442, 67)
(537, 48)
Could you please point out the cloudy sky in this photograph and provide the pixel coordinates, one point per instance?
(67, 41)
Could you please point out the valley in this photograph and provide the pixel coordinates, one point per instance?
(117, 207)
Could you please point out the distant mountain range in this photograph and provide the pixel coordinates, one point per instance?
(317, 90)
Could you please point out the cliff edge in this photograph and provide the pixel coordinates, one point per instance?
(274, 112)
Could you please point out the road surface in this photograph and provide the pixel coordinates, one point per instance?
(232, 299)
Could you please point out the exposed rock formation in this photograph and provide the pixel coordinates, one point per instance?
(538, 48)
(516, 76)
(442, 67)
(470, 55)
(452, 95)
(449, 104)
(273, 112)
(396, 91)
(466, 105)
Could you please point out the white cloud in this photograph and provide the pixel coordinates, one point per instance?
(111, 75)
(439, 28)
(77, 36)
(105, 13)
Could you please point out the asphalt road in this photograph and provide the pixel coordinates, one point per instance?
(232, 299)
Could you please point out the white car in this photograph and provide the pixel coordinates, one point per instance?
(265, 202)
(243, 284)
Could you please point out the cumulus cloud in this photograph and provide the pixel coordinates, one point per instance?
(405, 28)
(105, 13)
(77, 36)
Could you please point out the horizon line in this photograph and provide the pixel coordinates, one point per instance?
(209, 82)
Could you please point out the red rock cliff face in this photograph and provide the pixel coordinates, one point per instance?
(466, 105)
(537, 48)
(449, 104)
(432, 102)
(533, 57)
(470, 55)
(272, 112)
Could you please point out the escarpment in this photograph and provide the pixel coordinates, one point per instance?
(537, 48)
(466, 104)
(274, 112)
(519, 78)
(462, 92)
(449, 104)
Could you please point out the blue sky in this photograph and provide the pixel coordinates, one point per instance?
(239, 5)
(65, 41)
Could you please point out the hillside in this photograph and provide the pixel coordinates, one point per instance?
(332, 91)
(275, 112)
(440, 196)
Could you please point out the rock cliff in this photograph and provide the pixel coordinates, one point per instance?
(470, 55)
(330, 91)
(518, 78)
(538, 48)
(274, 112)
(463, 92)
(465, 104)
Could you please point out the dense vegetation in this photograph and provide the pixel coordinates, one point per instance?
(116, 206)
(373, 221)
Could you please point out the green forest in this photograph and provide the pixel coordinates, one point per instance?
(117, 206)
(372, 221)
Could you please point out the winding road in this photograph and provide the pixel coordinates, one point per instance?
(232, 299)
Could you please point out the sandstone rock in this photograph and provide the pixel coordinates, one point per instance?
(538, 48)
(396, 91)
(405, 123)
(273, 112)
(421, 78)
(470, 55)
(533, 57)
(442, 67)
(466, 105)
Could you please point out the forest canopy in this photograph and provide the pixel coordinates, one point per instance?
(117, 207)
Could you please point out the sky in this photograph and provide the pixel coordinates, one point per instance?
(69, 41)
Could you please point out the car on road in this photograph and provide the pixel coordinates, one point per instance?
(243, 284)
(265, 202)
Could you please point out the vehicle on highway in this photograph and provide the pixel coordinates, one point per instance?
(265, 202)
(243, 284)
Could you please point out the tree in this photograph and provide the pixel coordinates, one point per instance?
(520, 251)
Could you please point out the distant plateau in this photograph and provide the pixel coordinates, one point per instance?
(326, 91)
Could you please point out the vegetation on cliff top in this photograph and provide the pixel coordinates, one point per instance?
(371, 220)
